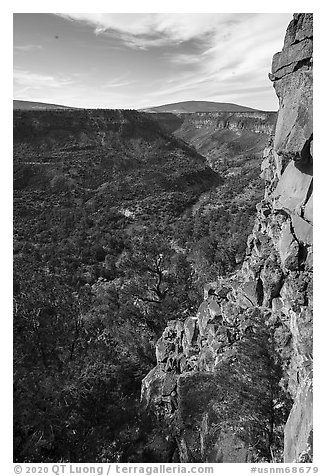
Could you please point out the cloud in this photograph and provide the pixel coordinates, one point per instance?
(224, 47)
(118, 82)
(29, 80)
(27, 47)
(236, 62)
(248, 47)
(144, 30)
(193, 83)
(220, 56)
(182, 59)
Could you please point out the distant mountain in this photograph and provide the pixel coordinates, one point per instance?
(198, 106)
(28, 105)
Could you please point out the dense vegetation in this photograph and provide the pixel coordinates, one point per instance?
(117, 227)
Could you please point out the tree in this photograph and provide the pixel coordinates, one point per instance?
(253, 403)
(76, 385)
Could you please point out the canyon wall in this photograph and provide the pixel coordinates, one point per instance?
(183, 123)
(290, 195)
(259, 122)
(232, 378)
(222, 137)
(80, 127)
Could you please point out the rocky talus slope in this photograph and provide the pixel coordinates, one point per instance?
(233, 383)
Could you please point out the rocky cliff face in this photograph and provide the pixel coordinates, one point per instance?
(290, 196)
(235, 377)
(261, 122)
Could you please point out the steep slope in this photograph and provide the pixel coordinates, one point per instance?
(90, 148)
(114, 169)
(197, 106)
(231, 379)
(232, 143)
(97, 196)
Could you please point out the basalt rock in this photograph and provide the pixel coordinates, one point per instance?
(272, 292)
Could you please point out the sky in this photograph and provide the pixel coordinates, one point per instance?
(138, 60)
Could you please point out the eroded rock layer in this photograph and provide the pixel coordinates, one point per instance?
(233, 383)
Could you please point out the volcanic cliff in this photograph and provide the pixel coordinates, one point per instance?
(233, 383)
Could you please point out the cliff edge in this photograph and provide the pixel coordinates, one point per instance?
(233, 383)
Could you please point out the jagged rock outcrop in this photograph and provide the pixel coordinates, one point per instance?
(292, 76)
(201, 362)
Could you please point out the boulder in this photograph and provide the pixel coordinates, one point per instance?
(248, 294)
(271, 277)
(302, 329)
(298, 428)
(302, 229)
(213, 307)
(261, 244)
(215, 344)
(185, 344)
(229, 311)
(189, 329)
(292, 189)
(277, 305)
(288, 248)
(295, 290)
(203, 316)
(163, 349)
(294, 126)
(286, 61)
(179, 328)
(152, 385)
(169, 383)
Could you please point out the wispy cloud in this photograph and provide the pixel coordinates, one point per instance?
(183, 58)
(234, 64)
(118, 82)
(225, 47)
(27, 47)
(30, 80)
(167, 57)
(176, 87)
(144, 30)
